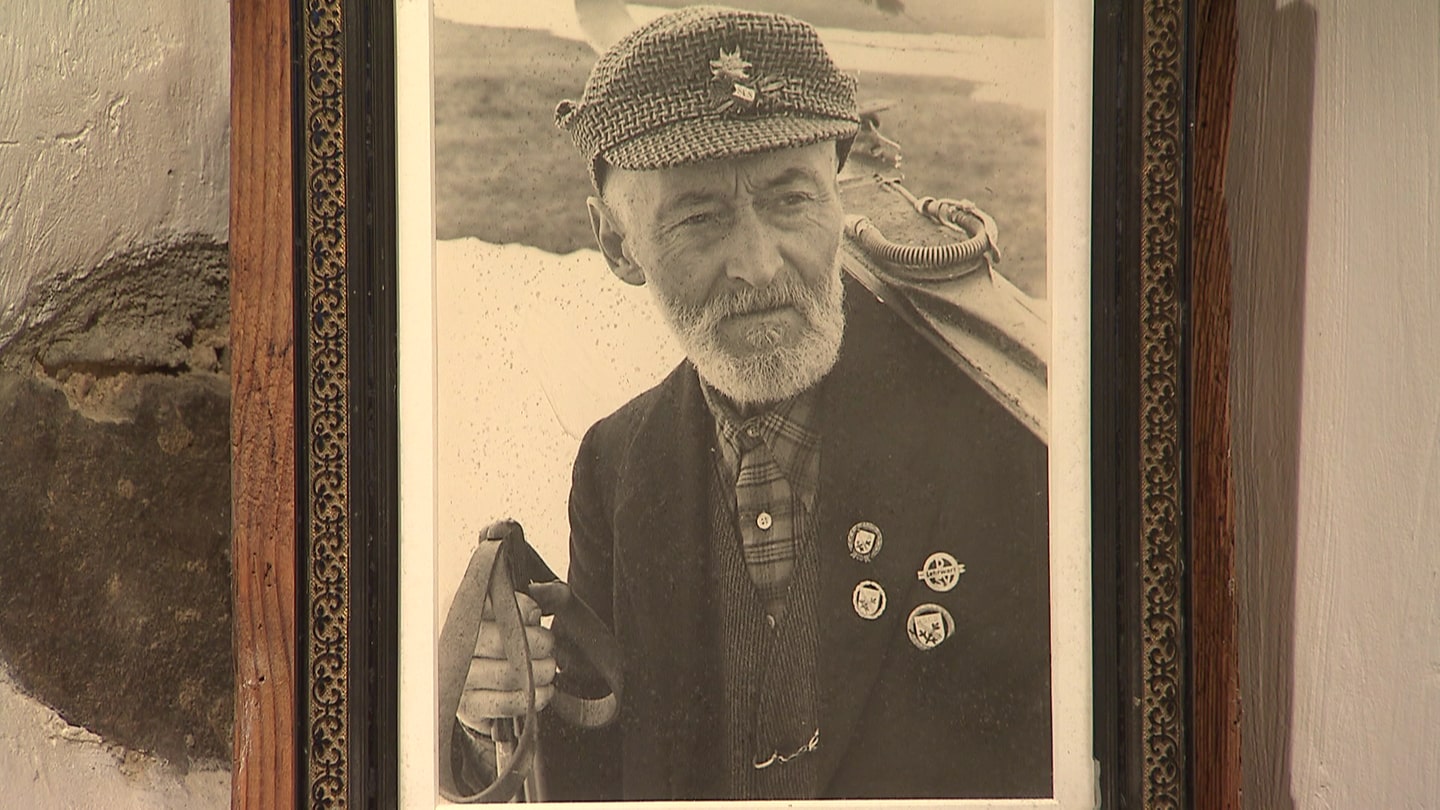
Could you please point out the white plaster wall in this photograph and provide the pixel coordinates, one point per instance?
(1335, 209)
(113, 132)
(47, 763)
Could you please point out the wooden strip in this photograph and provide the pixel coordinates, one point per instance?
(1216, 731)
(262, 341)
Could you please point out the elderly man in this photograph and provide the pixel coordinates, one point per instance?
(823, 551)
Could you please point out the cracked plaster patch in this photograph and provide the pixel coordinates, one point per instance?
(116, 387)
(162, 309)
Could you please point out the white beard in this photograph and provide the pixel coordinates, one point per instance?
(770, 373)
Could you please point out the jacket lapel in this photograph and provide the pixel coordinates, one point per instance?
(662, 536)
(868, 473)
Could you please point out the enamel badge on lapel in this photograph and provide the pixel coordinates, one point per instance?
(929, 625)
(940, 572)
(865, 541)
(868, 599)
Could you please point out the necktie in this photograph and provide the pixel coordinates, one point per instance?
(765, 508)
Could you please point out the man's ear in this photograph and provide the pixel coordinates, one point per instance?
(610, 236)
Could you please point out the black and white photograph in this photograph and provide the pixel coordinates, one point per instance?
(757, 350)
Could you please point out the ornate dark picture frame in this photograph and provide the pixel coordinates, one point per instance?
(314, 416)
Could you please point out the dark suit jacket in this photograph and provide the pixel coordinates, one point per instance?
(909, 444)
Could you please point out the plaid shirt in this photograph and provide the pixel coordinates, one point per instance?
(773, 460)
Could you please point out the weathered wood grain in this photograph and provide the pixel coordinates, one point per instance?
(263, 419)
(1216, 729)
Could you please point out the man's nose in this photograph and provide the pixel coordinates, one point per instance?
(753, 251)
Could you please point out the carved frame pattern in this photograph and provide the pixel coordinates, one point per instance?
(1162, 388)
(325, 445)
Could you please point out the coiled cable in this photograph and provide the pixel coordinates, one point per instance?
(932, 262)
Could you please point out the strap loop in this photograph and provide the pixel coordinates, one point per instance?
(503, 558)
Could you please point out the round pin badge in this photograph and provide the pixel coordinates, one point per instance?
(940, 572)
(868, 599)
(929, 625)
(865, 541)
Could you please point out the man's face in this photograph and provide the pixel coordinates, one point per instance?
(742, 258)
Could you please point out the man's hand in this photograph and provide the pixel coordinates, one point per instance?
(493, 688)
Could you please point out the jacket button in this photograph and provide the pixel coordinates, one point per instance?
(764, 521)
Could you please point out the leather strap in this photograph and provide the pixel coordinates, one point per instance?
(502, 558)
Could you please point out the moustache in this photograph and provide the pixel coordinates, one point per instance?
(787, 292)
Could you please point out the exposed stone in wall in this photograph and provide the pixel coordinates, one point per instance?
(115, 520)
(162, 308)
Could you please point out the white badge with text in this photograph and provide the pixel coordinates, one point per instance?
(940, 572)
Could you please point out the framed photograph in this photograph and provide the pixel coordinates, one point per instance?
(504, 305)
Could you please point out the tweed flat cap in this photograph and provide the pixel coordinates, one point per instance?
(704, 83)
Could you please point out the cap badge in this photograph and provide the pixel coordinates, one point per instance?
(868, 599)
(733, 89)
(929, 625)
(940, 572)
(730, 66)
(865, 541)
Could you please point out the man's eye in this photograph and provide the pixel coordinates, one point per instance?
(795, 198)
(703, 218)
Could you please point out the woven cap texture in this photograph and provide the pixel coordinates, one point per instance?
(705, 82)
